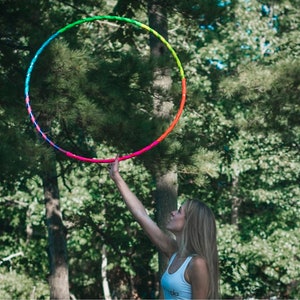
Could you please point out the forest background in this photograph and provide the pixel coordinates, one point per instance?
(103, 89)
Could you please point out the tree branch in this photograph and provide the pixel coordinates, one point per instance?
(8, 258)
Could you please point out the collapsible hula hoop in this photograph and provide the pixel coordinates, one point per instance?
(111, 19)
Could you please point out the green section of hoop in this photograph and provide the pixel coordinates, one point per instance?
(134, 22)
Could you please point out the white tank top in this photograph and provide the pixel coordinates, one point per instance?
(174, 285)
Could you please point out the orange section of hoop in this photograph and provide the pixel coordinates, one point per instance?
(180, 110)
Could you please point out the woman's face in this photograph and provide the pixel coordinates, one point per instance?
(177, 220)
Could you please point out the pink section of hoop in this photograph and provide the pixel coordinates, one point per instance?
(110, 160)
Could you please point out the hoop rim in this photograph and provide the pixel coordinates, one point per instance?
(109, 18)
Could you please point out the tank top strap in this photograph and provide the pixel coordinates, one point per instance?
(171, 260)
(186, 262)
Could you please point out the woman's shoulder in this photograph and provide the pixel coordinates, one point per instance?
(197, 267)
(198, 262)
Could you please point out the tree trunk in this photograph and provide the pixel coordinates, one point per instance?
(166, 182)
(57, 249)
(105, 285)
(235, 203)
(166, 201)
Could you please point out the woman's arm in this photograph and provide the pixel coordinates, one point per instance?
(197, 276)
(161, 240)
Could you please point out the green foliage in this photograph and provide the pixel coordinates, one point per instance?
(261, 267)
(92, 213)
(19, 286)
(23, 241)
(262, 178)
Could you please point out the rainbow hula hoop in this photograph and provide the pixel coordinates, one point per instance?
(111, 19)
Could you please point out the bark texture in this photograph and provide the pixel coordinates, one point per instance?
(57, 249)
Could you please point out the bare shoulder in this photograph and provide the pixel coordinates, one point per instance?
(196, 270)
(197, 266)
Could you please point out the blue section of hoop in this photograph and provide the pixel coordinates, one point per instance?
(33, 61)
(27, 82)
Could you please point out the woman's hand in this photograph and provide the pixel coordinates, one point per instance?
(114, 168)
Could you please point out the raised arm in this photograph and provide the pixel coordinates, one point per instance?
(161, 240)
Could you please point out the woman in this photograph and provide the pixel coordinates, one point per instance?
(192, 272)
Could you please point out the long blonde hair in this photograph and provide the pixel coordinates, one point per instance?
(200, 238)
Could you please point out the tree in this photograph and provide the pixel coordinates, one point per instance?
(22, 44)
(166, 179)
(265, 162)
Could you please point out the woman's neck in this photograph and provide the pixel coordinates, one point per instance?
(181, 250)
